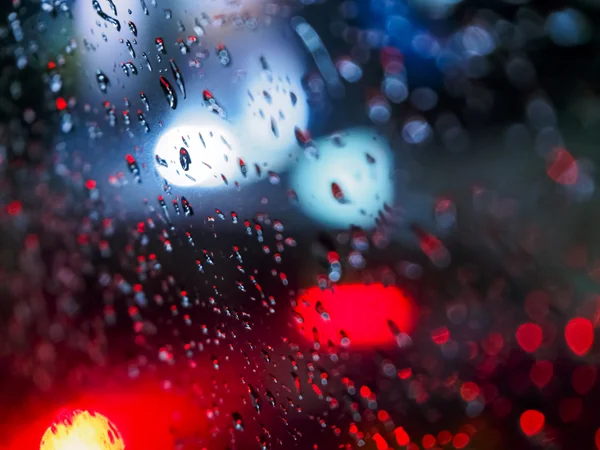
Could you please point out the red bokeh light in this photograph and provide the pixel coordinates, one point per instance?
(440, 335)
(61, 104)
(529, 336)
(583, 379)
(562, 167)
(579, 334)
(428, 441)
(380, 442)
(469, 391)
(444, 437)
(532, 422)
(401, 436)
(365, 313)
(14, 208)
(461, 440)
(541, 373)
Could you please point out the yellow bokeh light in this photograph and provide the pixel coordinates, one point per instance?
(82, 430)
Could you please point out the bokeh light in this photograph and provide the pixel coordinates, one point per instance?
(275, 106)
(532, 422)
(198, 155)
(349, 182)
(356, 314)
(82, 430)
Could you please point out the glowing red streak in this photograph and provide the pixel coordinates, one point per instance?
(361, 311)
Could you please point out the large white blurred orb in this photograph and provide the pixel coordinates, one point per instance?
(350, 181)
(197, 155)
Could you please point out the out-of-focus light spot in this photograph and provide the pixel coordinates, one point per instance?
(14, 208)
(493, 344)
(380, 442)
(541, 373)
(440, 335)
(529, 337)
(426, 46)
(460, 440)
(428, 441)
(276, 106)
(469, 391)
(416, 131)
(597, 438)
(570, 409)
(398, 26)
(532, 422)
(424, 99)
(209, 150)
(568, 27)
(367, 314)
(61, 103)
(583, 379)
(579, 334)
(392, 60)
(349, 70)
(365, 392)
(401, 436)
(405, 374)
(383, 416)
(379, 110)
(562, 167)
(444, 437)
(477, 41)
(359, 163)
(394, 89)
(82, 430)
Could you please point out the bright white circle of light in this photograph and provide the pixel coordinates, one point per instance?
(275, 105)
(359, 162)
(213, 149)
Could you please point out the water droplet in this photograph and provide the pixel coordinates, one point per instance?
(132, 27)
(178, 77)
(105, 16)
(169, 92)
(103, 81)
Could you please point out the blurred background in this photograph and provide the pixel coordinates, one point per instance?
(299, 224)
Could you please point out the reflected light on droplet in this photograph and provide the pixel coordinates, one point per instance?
(362, 312)
(82, 430)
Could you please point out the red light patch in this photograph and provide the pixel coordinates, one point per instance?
(364, 313)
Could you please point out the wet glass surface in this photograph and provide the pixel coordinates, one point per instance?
(298, 224)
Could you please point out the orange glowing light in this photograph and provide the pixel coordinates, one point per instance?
(82, 430)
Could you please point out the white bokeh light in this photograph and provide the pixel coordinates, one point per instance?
(276, 105)
(213, 150)
(350, 182)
